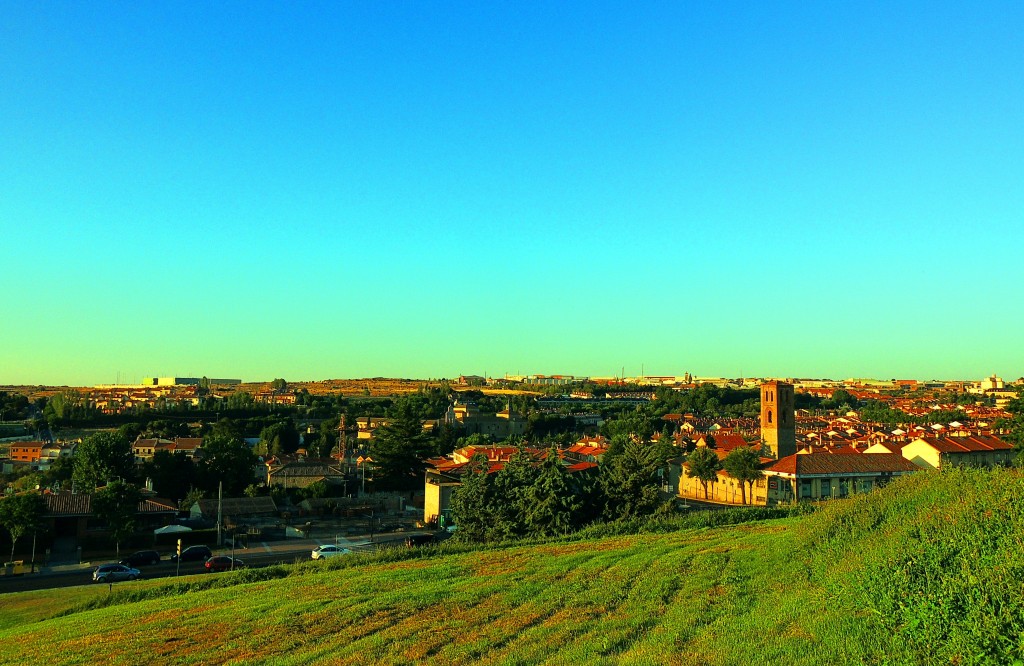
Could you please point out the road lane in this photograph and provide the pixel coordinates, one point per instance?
(256, 555)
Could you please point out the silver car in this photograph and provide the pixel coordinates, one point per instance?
(329, 551)
(111, 573)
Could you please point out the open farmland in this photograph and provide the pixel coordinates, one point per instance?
(377, 387)
(880, 579)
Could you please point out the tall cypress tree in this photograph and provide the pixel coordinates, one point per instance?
(553, 501)
(630, 481)
(472, 502)
(511, 489)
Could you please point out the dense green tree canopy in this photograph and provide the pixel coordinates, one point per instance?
(172, 474)
(704, 464)
(511, 488)
(279, 438)
(398, 451)
(21, 514)
(117, 504)
(229, 461)
(1015, 424)
(552, 500)
(743, 464)
(102, 458)
(472, 502)
(631, 481)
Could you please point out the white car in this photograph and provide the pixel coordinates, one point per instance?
(321, 552)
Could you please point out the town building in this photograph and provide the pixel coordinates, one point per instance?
(302, 473)
(466, 418)
(945, 451)
(365, 425)
(186, 381)
(27, 452)
(817, 476)
(143, 449)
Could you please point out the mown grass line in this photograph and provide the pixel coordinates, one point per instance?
(597, 601)
(925, 570)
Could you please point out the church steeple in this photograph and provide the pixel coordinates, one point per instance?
(778, 418)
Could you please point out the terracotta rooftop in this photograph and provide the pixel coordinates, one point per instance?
(974, 443)
(80, 504)
(802, 464)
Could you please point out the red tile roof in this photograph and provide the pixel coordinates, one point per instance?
(828, 463)
(974, 443)
(80, 504)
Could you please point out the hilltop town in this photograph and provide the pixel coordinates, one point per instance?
(179, 476)
(403, 449)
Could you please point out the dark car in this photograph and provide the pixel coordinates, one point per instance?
(141, 557)
(194, 554)
(223, 563)
(419, 539)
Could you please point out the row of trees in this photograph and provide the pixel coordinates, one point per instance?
(21, 514)
(528, 497)
(106, 457)
(116, 503)
(742, 463)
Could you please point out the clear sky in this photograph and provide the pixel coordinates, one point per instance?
(424, 189)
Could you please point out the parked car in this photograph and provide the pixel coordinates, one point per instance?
(194, 554)
(141, 557)
(112, 573)
(223, 563)
(322, 552)
(419, 540)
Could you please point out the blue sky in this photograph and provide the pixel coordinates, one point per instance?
(427, 189)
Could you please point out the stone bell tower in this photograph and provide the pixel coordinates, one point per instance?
(778, 418)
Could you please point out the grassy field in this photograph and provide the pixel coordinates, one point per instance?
(835, 587)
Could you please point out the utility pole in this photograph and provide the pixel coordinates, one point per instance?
(220, 506)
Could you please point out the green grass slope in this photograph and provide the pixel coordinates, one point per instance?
(921, 572)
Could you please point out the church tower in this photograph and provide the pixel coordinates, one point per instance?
(778, 418)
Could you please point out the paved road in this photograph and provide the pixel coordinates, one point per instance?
(256, 555)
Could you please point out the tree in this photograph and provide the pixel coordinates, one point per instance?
(399, 451)
(59, 473)
(326, 438)
(511, 486)
(472, 501)
(229, 461)
(1015, 424)
(241, 400)
(21, 514)
(191, 497)
(315, 490)
(279, 438)
(635, 424)
(165, 429)
(552, 501)
(278, 385)
(102, 458)
(743, 464)
(172, 474)
(630, 481)
(703, 465)
(841, 400)
(117, 504)
(229, 428)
